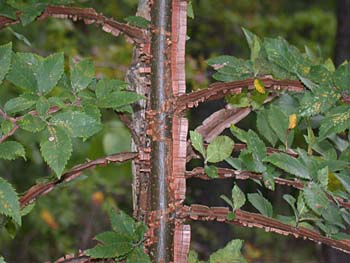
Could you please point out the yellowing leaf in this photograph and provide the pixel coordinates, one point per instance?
(259, 86)
(48, 218)
(292, 121)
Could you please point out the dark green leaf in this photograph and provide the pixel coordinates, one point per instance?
(315, 198)
(291, 201)
(264, 128)
(122, 223)
(6, 126)
(138, 21)
(31, 123)
(42, 106)
(337, 120)
(82, 73)
(19, 104)
(7, 11)
(9, 203)
(289, 164)
(261, 204)
(211, 171)
(138, 256)
(77, 124)
(342, 77)
(231, 253)
(5, 59)
(56, 148)
(10, 150)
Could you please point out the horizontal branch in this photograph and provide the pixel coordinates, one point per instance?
(247, 219)
(42, 189)
(225, 173)
(88, 16)
(81, 258)
(219, 90)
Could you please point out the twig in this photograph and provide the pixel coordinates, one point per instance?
(89, 16)
(247, 219)
(219, 90)
(42, 189)
(225, 173)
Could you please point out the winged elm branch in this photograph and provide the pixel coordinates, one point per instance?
(247, 219)
(88, 16)
(42, 189)
(225, 173)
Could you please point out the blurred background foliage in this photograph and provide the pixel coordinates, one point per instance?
(69, 217)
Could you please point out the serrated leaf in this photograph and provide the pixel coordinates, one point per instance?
(77, 124)
(122, 223)
(289, 164)
(82, 74)
(219, 149)
(238, 197)
(7, 11)
(138, 256)
(231, 253)
(342, 77)
(250, 162)
(118, 99)
(253, 42)
(6, 126)
(333, 216)
(5, 60)
(140, 230)
(197, 142)
(291, 201)
(30, 11)
(42, 106)
(19, 104)
(10, 150)
(211, 171)
(337, 120)
(269, 178)
(31, 123)
(119, 246)
(315, 198)
(279, 122)
(9, 203)
(264, 128)
(21, 73)
(322, 177)
(261, 204)
(301, 206)
(256, 145)
(56, 148)
(138, 21)
(49, 72)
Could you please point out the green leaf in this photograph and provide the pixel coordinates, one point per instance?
(30, 11)
(279, 122)
(122, 223)
(49, 72)
(231, 253)
(6, 126)
(211, 171)
(227, 200)
(238, 197)
(31, 123)
(322, 177)
(138, 21)
(2, 260)
(56, 148)
(42, 106)
(5, 60)
(315, 198)
(250, 162)
(114, 245)
(342, 77)
(7, 11)
(239, 133)
(264, 128)
(256, 145)
(82, 74)
(197, 142)
(253, 42)
(9, 203)
(27, 209)
(138, 256)
(140, 230)
(21, 73)
(301, 205)
(19, 36)
(291, 201)
(190, 12)
(289, 164)
(261, 204)
(337, 120)
(10, 150)
(77, 124)
(118, 99)
(219, 149)
(22, 103)
(269, 178)
(240, 100)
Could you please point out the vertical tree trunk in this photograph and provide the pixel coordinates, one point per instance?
(342, 44)
(161, 131)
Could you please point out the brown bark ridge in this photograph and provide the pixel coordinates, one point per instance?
(247, 219)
